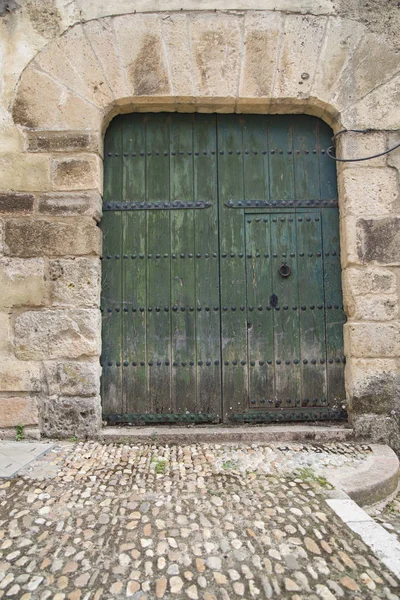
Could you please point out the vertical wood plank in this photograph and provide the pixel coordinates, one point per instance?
(232, 266)
(306, 158)
(286, 313)
(334, 314)
(158, 340)
(208, 333)
(281, 158)
(260, 331)
(311, 303)
(111, 382)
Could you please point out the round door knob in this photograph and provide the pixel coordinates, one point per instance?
(284, 270)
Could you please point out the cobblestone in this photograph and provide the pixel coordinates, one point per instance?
(100, 522)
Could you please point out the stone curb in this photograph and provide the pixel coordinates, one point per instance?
(225, 435)
(384, 544)
(374, 483)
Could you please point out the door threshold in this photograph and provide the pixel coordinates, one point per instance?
(217, 434)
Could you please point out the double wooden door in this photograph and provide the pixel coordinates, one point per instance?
(221, 287)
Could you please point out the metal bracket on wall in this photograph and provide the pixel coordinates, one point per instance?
(178, 204)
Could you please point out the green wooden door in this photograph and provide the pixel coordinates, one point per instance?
(200, 214)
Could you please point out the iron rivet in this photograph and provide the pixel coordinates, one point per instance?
(157, 309)
(150, 363)
(285, 307)
(190, 255)
(301, 253)
(174, 308)
(303, 308)
(198, 255)
(183, 308)
(109, 364)
(226, 363)
(133, 309)
(174, 364)
(233, 308)
(191, 308)
(305, 361)
(243, 362)
(322, 361)
(183, 364)
(207, 308)
(269, 362)
(242, 307)
(225, 308)
(216, 308)
(234, 362)
(251, 308)
(296, 361)
(313, 362)
(166, 309)
(141, 256)
(199, 308)
(216, 362)
(214, 254)
(278, 362)
(312, 306)
(240, 254)
(224, 255)
(261, 362)
(134, 364)
(125, 309)
(182, 255)
(149, 309)
(330, 361)
(208, 363)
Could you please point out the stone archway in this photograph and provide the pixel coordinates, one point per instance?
(261, 61)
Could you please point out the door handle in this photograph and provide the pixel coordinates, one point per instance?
(284, 270)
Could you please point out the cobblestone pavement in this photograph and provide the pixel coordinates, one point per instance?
(389, 517)
(92, 521)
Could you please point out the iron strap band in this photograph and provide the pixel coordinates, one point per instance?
(282, 203)
(178, 204)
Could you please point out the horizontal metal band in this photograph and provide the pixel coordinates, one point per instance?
(198, 255)
(126, 205)
(208, 363)
(175, 308)
(161, 418)
(283, 414)
(282, 203)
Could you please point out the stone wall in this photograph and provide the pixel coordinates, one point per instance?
(73, 65)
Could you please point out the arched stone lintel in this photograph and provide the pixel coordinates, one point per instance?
(267, 62)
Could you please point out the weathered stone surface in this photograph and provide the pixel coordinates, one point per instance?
(179, 55)
(20, 376)
(66, 416)
(143, 54)
(28, 172)
(5, 335)
(301, 48)
(18, 411)
(64, 204)
(376, 107)
(75, 282)
(60, 333)
(14, 202)
(365, 70)
(373, 339)
(373, 308)
(341, 38)
(79, 173)
(393, 157)
(216, 47)
(103, 42)
(43, 103)
(378, 429)
(73, 378)
(40, 237)
(22, 282)
(260, 53)
(71, 61)
(62, 141)
(369, 192)
(359, 145)
(379, 240)
(369, 280)
(374, 386)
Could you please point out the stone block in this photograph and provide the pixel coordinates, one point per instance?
(341, 38)
(369, 192)
(63, 141)
(40, 237)
(18, 411)
(357, 145)
(374, 386)
(373, 308)
(65, 416)
(378, 429)
(5, 335)
(179, 55)
(217, 46)
(71, 60)
(349, 241)
(393, 157)
(372, 340)
(20, 376)
(48, 334)
(16, 203)
(301, 49)
(78, 173)
(28, 172)
(22, 282)
(143, 54)
(46, 104)
(75, 282)
(366, 70)
(375, 108)
(262, 37)
(103, 42)
(65, 204)
(379, 240)
(369, 280)
(73, 378)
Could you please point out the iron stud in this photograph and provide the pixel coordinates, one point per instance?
(278, 362)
